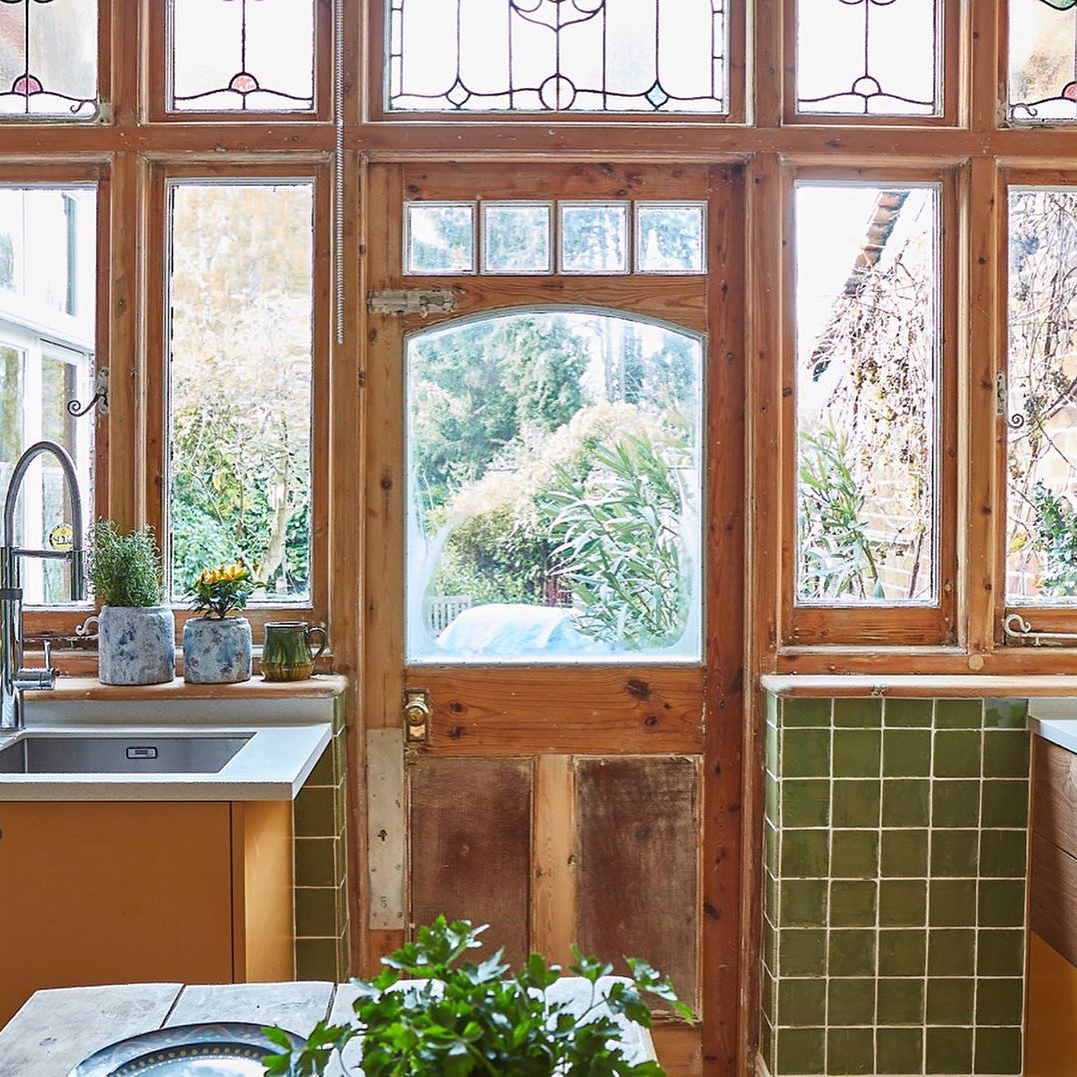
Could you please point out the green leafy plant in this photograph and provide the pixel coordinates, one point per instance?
(467, 1018)
(125, 568)
(1055, 540)
(217, 592)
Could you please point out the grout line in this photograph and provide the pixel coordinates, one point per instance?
(829, 881)
(979, 876)
(927, 893)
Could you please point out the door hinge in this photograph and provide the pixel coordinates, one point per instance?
(417, 715)
(421, 301)
(1001, 395)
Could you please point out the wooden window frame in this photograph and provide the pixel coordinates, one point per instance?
(876, 622)
(158, 82)
(239, 170)
(951, 56)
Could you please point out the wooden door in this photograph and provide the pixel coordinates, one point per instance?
(580, 779)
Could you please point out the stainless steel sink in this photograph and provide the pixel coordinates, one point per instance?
(119, 755)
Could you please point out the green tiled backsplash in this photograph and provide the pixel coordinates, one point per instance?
(321, 882)
(895, 852)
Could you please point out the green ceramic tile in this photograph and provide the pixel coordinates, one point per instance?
(1000, 952)
(958, 713)
(766, 1044)
(953, 903)
(772, 792)
(315, 813)
(858, 713)
(1005, 753)
(340, 799)
(901, 952)
(772, 707)
(904, 853)
(852, 903)
(1002, 902)
(957, 753)
(1005, 803)
(955, 802)
(854, 854)
(902, 902)
(948, 1050)
(769, 945)
(322, 774)
(805, 712)
(344, 971)
(804, 853)
(1002, 854)
(850, 1050)
(949, 1001)
(901, 1001)
(953, 852)
(770, 848)
(851, 1002)
(805, 803)
(316, 912)
(339, 714)
(851, 953)
(768, 995)
(855, 753)
(802, 1002)
(806, 753)
(950, 952)
(340, 755)
(315, 862)
(802, 952)
(771, 749)
(906, 753)
(856, 804)
(803, 903)
(905, 801)
(1000, 1002)
(998, 1050)
(908, 712)
(801, 1050)
(899, 1050)
(316, 959)
(770, 896)
(1005, 713)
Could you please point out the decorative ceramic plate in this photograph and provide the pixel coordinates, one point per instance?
(231, 1050)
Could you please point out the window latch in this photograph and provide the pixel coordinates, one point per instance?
(1001, 395)
(98, 400)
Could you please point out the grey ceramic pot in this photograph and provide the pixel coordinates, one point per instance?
(136, 645)
(217, 651)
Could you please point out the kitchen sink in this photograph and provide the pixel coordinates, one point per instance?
(38, 754)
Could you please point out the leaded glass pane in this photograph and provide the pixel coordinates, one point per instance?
(242, 55)
(1043, 60)
(48, 58)
(869, 57)
(558, 55)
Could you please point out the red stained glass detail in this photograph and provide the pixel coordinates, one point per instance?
(243, 83)
(27, 86)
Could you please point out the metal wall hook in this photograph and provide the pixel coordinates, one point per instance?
(98, 400)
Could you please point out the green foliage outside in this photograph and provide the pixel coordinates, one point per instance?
(1055, 539)
(125, 568)
(473, 1018)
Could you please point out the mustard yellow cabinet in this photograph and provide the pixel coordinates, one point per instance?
(97, 893)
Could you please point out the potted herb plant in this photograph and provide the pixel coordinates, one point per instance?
(431, 1013)
(136, 641)
(217, 645)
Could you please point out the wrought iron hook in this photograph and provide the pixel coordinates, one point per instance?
(99, 398)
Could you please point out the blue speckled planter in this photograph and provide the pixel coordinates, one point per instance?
(217, 651)
(136, 645)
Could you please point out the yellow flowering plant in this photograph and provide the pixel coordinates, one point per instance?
(218, 592)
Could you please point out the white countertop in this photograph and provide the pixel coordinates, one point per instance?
(286, 740)
(1055, 720)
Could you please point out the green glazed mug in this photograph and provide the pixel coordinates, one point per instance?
(286, 652)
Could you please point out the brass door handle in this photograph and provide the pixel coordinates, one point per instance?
(417, 715)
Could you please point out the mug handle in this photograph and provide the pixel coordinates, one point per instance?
(325, 640)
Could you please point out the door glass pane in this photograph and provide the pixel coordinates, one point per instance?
(516, 237)
(48, 58)
(440, 237)
(1042, 421)
(545, 55)
(554, 476)
(1043, 60)
(867, 362)
(869, 57)
(240, 372)
(242, 55)
(670, 237)
(594, 237)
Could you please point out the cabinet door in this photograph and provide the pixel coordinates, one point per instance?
(113, 893)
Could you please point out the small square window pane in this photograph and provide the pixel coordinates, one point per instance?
(516, 237)
(670, 237)
(440, 237)
(594, 237)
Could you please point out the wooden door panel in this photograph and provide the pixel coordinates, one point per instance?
(470, 856)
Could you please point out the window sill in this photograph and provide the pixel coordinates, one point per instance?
(919, 685)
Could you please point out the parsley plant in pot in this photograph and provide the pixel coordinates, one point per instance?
(136, 633)
(217, 645)
(457, 1018)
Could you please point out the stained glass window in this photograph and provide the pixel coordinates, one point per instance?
(242, 55)
(869, 57)
(48, 58)
(1043, 60)
(558, 55)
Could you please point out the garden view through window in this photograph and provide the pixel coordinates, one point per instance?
(867, 362)
(554, 477)
(240, 371)
(1043, 60)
